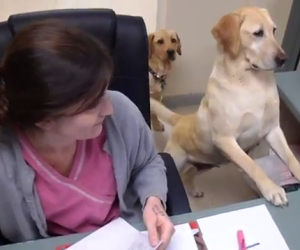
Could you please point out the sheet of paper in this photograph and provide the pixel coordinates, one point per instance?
(116, 235)
(120, 235)
(182, 239)
(142, 243)
(220, 231)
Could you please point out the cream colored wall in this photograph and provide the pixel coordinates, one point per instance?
(193, 20)
(145, 8)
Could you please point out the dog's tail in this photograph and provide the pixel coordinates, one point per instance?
(164, 113)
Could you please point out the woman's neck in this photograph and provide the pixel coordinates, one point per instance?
(57, 151)
(48, 141)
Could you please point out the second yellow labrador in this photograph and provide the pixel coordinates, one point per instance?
(163, 46)
(240, 107)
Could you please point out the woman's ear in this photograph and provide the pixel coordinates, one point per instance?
(46, 124)
(227, 33)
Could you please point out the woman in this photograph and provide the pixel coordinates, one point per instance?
(73, 156)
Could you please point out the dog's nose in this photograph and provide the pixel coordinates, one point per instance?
(170, 52)
(280, 59)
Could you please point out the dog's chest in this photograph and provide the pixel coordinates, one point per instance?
(257, 119)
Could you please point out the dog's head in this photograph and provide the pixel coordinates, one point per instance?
(164, 44)
(250, 32)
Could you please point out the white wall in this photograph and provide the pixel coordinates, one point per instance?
(145, 8)
(193, 19)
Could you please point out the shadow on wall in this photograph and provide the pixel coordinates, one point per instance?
(193, 20)
(190, 72)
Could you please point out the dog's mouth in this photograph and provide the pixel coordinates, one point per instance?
(172, 58)
(252, 65)
(257, 68)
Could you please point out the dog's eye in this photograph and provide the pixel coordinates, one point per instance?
(173, 40)
(259, 33)
(274, 30)
(160, 41)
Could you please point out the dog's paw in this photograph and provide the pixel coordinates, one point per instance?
(195, 193)
(274, 194)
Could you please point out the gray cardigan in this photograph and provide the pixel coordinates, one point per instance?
(139, 173)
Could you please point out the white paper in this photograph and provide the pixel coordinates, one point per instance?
(220, 231)
(142, 243)
(119, 235)
(182, 239)
(116, 235)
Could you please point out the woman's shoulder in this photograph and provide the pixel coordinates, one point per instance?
(118, 98)
(8, 137)
(11, 160)
(124, 109)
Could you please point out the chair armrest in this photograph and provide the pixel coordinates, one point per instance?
(177, 201)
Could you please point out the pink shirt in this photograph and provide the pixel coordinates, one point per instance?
(82, 202)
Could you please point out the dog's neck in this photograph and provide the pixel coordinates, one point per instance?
(233, 66)
(159, 66)
(238, 70)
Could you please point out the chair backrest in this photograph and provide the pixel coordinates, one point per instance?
(124, 36)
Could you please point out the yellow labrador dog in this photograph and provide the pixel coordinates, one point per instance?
(241, 105)
(163, 46)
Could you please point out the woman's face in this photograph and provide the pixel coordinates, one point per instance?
(85, 125)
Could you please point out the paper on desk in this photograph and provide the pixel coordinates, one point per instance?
(220, 231)
(182, 239)
(118, 234)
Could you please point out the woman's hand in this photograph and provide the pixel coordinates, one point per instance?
(158, 223)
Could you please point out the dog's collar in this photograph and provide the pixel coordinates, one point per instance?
(160, 78)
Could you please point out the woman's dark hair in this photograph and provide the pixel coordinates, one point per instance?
(49, 67)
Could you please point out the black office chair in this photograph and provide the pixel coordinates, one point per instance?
(126, 39)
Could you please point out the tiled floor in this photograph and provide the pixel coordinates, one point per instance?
(221, 186)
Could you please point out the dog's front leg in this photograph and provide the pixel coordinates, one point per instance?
(278, 143)
(271, 191)
(156, 124)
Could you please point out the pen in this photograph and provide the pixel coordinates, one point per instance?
(196, 231)
(194, 227)
(158, 245)
(253, 245)
(241, 240)
(63, 247)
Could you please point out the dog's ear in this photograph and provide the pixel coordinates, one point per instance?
(227, 33)
(150, 44)
(179, 45)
